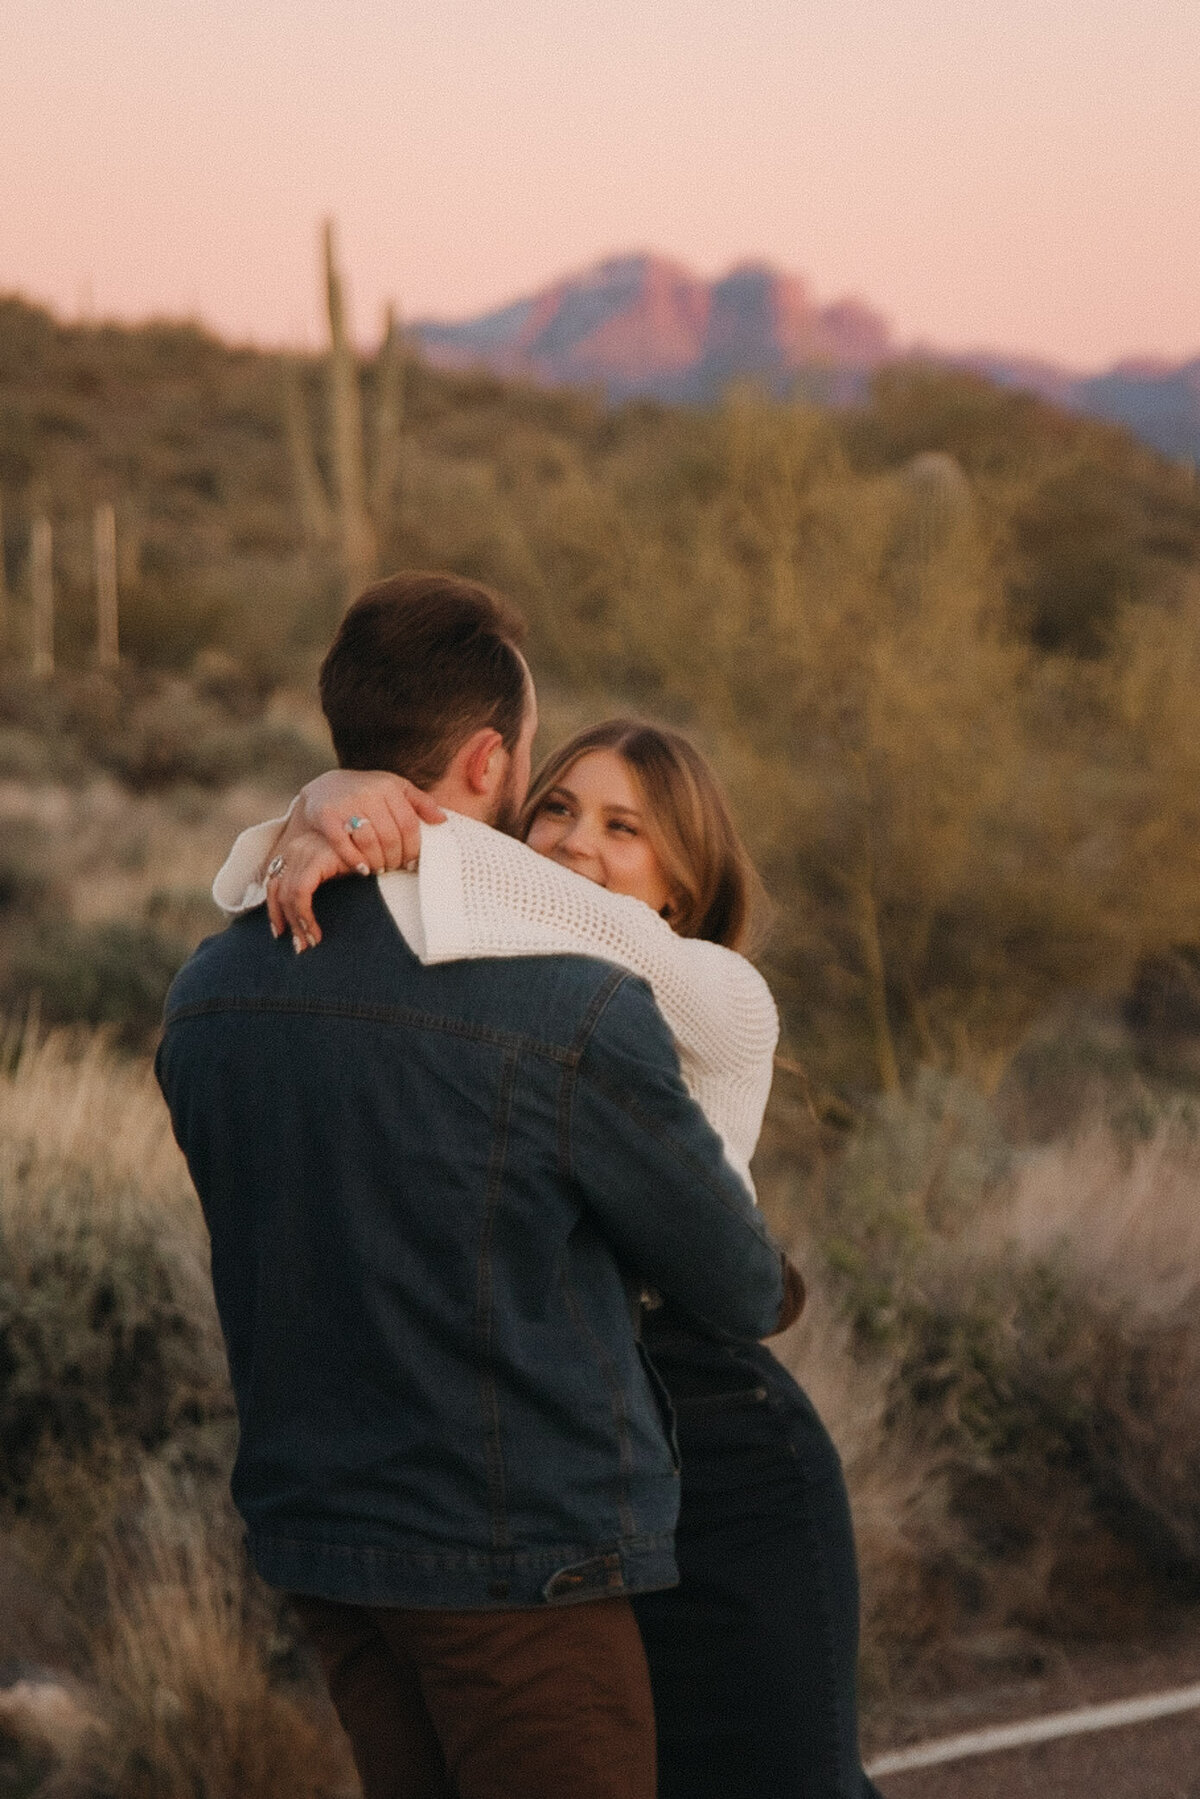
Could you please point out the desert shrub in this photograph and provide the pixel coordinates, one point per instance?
(904, 1533)
(165, 621)
(25, 886)
(109, 1348)
(151, 731)
(116, 1439)
(110, 1354)
(921, 1167)
(1034, 1313)
(184, 1683)
(106, 974)
(99, 1348)
(166, 745)
(1162, 1010)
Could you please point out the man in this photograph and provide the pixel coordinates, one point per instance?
(428, 1191)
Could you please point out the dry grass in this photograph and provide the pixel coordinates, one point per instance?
(1005, 1343)
(113, 854)
(121, 1506)
(189, 1703)
(898, 1494)
(1126, 1215)
(66, 1101)
(1120, 1225)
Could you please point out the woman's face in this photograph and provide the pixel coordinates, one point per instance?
(593, 820)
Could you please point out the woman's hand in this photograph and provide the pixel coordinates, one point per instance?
(318, 843)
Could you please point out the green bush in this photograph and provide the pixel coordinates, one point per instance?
(104, 1348)
(115, 975)
(1045, 1350)
(151, 730)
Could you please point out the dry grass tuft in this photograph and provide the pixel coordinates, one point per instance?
(1127, 1216)
(190, 1708)
(898, 1492)
(115, 1417)
(66, 1101)
(1121, 1223)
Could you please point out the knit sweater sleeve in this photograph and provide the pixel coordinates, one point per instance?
(240, 885)
(484, 894)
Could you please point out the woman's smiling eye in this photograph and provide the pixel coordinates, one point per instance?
(623, 824)
(553, 809)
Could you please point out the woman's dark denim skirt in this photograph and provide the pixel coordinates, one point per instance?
(753, 1656)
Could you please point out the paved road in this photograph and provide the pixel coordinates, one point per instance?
(1157, 1760)
(1140, 1761)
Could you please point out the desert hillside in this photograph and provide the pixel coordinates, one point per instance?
(943, 645)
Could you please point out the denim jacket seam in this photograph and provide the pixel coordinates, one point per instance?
(617, 1405)
(620, 1097)
(548, 1556)
(489, 1400)
(615, 979)
(514, 1041)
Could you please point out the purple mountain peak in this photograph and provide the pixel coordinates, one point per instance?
(641, 323)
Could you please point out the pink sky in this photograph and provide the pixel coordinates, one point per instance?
(1024, 177)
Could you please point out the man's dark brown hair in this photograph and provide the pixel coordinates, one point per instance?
(420, 662)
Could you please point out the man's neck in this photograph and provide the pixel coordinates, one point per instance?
(457, 796)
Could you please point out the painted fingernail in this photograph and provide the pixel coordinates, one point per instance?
(410, 868)
(298, 945)
(275, 932)
(363, 869)
(310, 940)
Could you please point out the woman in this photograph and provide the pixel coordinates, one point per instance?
(752, 1656)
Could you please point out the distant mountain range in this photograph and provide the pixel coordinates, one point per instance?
(643, 325)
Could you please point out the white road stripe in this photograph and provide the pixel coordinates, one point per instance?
(1038, 1730)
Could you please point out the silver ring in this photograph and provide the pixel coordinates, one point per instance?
(274, 867)
(355, 823)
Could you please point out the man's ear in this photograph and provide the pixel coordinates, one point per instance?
(481, 760)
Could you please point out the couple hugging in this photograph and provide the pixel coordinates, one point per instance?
(486, 1256)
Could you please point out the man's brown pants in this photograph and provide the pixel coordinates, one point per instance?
(552, 1703)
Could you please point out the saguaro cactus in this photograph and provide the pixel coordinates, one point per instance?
(346, 431)
(41, 584)
(345, 515)
(389, 420)
(104, 543)
(939, 501)
(3, 588)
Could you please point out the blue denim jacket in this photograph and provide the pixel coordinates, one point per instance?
(430, 1194)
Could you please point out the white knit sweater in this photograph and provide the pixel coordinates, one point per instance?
(480, 893)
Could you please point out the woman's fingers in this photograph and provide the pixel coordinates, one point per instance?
(408, 806)
(347, 822)
(426, 808)
(374, 839)
(308, 862)
(332, 823)
(372, 820)
(274, 909)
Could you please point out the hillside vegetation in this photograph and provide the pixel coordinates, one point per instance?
(944, 649)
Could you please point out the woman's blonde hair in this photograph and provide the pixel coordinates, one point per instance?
(716, 892)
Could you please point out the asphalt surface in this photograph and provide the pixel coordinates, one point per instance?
(1155, 1760)
(1160, 1760)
